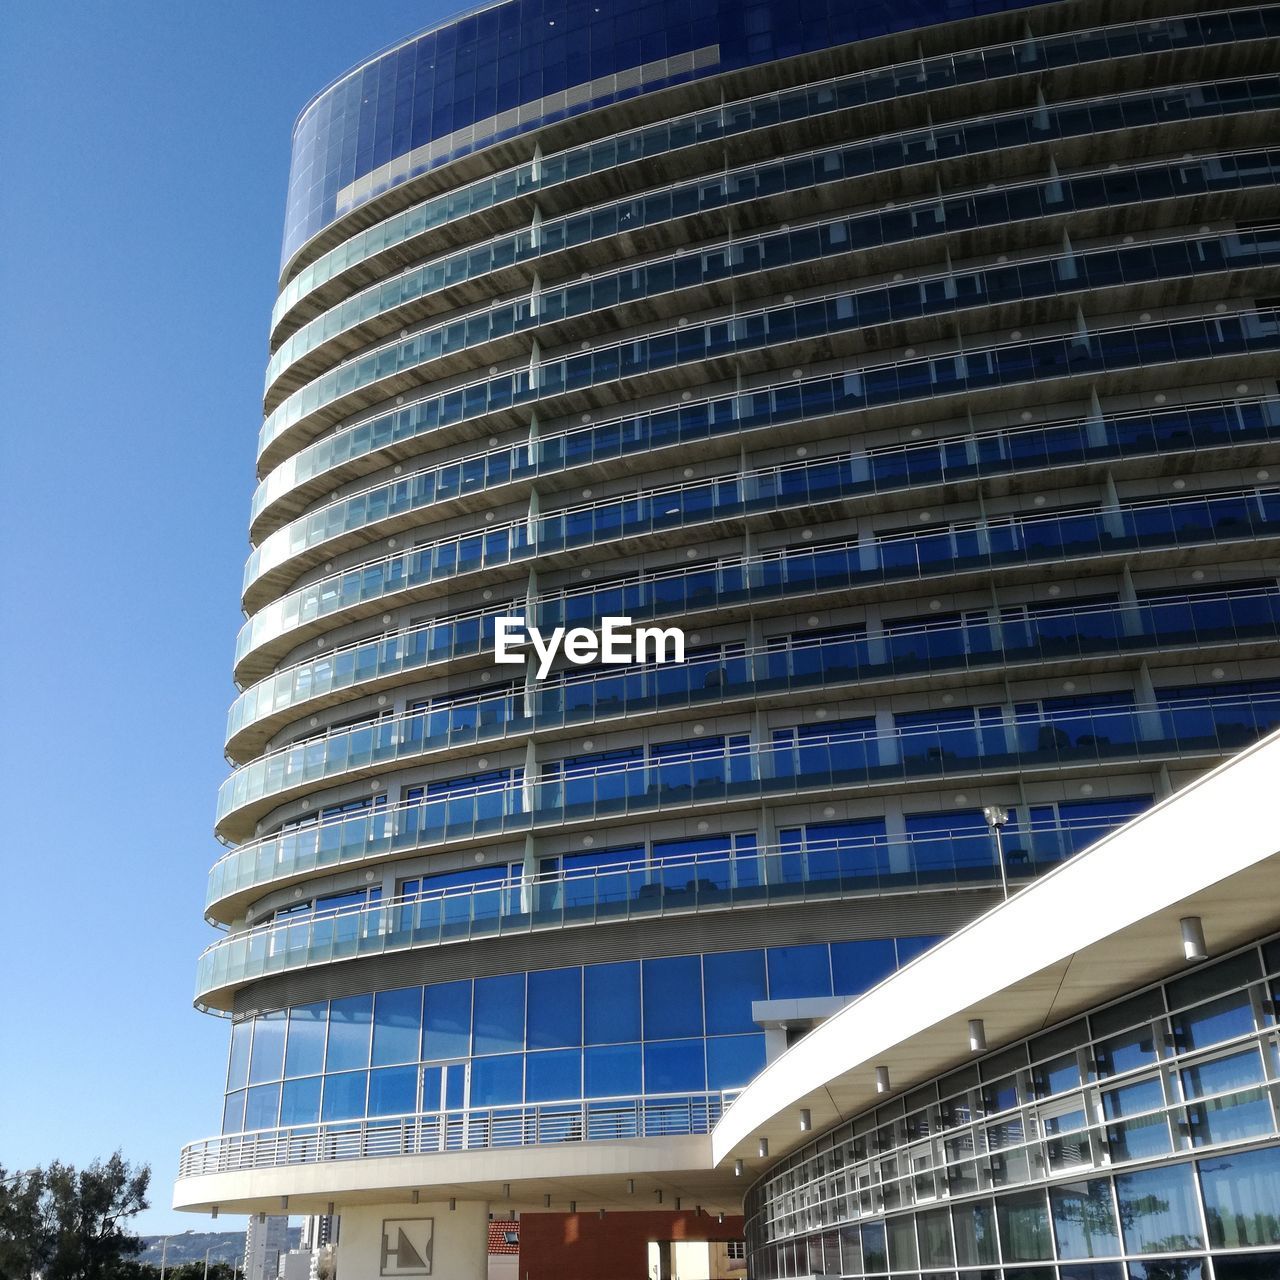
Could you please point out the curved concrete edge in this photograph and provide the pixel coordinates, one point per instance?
(1093, 929)
(595, 1174)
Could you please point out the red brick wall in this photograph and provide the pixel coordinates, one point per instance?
(584, 1246)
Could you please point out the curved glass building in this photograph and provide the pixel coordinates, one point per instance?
(915, 362)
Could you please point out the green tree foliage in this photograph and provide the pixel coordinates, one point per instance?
(69, 1224)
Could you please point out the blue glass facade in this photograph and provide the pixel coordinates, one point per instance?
(467, 75)
(1043, 1165)
(674, 1027)
(927, 383)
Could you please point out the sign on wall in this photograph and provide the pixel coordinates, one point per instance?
(406, 1246)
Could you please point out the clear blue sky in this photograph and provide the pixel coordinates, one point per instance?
(145, 149)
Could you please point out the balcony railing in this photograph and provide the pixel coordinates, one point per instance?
(776, 875)
(535, 1124)
(988, 544)
(814, 99)
(828, 478)
(797, 667)
(1194, 730)
(333, 394)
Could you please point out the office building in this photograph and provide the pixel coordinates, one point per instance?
(916, 363)
(266, 1243)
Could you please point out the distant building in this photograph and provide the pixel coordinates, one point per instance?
(265, 1242)
(319, 1230)
(296, 1264)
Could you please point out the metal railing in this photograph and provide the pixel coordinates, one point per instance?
(533, 1124)
(1194, 728)
(808, 871)
(796, 666)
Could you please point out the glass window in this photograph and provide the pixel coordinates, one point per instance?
(267, 1062)
(611, 995)
(1213, 1022)
(901, 1231)
(975, 1234)
(1084, 1219)
(734, 1061)
(552, 1076)
(1158, 1210)
(300, 1101)
(935, 1238)
(857, 966)
(873, 1249)
(672, 997)
(238, 1062)
(1132, 1049)
(397, 1026)
(798, 972)
(1250, 1266)
(1242, 1199)
(909, 948)
(344, 1095)
(674, 1066)
(1169, 1269)
(555, 1009)
(446, 1020)
(262, 1107)
(349, 1021)
(393, 1091)
(736, 978)
(1024, 1226)
(498, 1015)
(498, 1080)
(611, 1071)
(304, 1055)
(1233, 1071)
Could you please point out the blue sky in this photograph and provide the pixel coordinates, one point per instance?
(145, 151)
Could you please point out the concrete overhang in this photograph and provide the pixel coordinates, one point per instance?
(1092, 930)
(594, 1174)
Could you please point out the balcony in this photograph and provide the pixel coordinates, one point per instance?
(596, 1120)
(774, 876)
(1140, 737)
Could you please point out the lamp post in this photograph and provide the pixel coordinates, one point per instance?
(997, 819)
(209, 1250)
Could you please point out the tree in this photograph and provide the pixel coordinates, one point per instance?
(23, 1240)
(71, 1225)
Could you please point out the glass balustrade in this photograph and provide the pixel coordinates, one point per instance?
(790, 401)
(780, 874)
(797, 667)
(926, 146)
(763, 251)
(1017, 540)
(456, 636)
(767, 110)
(824, 479)
(744, 775)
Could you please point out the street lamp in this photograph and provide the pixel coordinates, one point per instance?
(209, 1250)
(997, 820)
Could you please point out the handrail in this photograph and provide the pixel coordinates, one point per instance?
(326, 393)
(721, 677)
(472, 1129)
(335, 261)
(752, 772)
(654, 872)
(527, 244)
(525, 461)
(483, 550)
